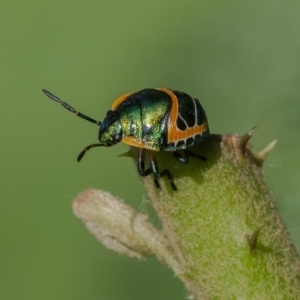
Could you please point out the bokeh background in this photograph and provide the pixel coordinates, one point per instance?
(240, 58)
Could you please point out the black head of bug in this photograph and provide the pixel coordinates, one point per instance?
(110, 130)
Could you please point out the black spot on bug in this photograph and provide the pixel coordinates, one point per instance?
(197, 138)
(186, 108)
(171, 146)
(181, 124)
(190, 142)
(180, 144)
(201, 116)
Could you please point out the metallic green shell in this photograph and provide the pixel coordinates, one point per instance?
(143, 115)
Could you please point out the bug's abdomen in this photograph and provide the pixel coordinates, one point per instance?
(187, 124)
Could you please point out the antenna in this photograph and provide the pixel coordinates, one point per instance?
(70, 108)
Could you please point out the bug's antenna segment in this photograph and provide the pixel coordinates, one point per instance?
(69, 107)
(81, 154)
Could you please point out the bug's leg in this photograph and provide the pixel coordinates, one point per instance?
(190, 153)
(141, 164)
(181, 158)
(153, 169)
(158, 174)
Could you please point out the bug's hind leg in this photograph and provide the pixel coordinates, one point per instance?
(184, 159)
(189, 153)
(153, 169)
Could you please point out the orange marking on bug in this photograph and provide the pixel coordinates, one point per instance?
(174, 106)
(177, 135)
(120, 100)
(132, 141)
(174, 133)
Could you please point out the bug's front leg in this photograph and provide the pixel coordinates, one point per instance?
(141, 167)
(158, 174)
(153, 169)
(141, 164)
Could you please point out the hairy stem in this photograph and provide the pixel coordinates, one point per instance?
(223, 225)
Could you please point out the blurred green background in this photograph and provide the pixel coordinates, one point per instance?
(240, 58)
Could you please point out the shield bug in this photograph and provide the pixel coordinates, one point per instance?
(152, 119)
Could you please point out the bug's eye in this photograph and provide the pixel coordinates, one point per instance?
(117, 137)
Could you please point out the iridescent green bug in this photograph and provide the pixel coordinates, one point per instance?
(151, 119)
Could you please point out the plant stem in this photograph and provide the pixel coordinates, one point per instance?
(223, 225)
